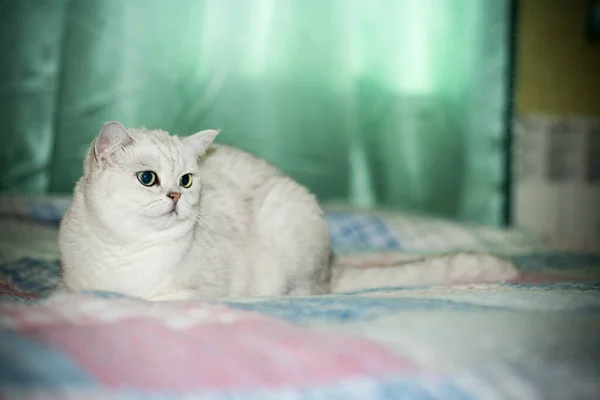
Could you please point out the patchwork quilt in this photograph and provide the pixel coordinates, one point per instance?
(535, 338)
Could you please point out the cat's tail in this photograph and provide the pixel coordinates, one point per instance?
(458, 268)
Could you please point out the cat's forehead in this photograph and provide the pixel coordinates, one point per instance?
(159, 150)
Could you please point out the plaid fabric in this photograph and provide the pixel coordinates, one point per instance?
(42, 209)
(354, 231)
(534, 338)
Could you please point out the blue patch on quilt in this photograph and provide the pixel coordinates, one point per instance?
(398, 388)
(348, 309)
(557, 261)
(32, 275)
(47, 212)
(349, 230)
(555, 286)
(29, 363)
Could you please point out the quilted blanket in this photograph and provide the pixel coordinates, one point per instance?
(536, 338)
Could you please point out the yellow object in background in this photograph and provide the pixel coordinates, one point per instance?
(558, 67)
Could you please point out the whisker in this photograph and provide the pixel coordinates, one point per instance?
(200, 218)
(151, 205)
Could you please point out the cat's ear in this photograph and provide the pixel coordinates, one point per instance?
(112, 137)
(201, 141)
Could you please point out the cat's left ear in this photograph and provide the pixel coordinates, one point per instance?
(201, 141)
(112, 137)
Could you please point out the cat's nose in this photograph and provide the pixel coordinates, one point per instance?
(174, 196)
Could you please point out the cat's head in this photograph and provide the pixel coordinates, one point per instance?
(145, 174)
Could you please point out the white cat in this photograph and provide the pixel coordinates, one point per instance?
(162, 217)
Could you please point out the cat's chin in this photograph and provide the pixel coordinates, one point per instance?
(172, 213)
(168, 222)
(162, 211)
(168, 217)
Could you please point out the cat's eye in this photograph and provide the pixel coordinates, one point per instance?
(147, 178)
(185, 181)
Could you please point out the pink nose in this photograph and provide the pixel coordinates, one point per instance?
(174, 196)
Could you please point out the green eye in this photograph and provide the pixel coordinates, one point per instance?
(147, 178)
(185, 181)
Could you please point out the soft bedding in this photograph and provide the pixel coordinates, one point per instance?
(536, 338)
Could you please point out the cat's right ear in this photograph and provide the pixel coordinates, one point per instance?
(112, 137)
(201, 141)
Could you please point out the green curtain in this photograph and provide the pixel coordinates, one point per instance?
(398, 103)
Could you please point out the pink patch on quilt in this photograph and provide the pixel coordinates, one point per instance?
(6, 289)
(178, 346)
(147, 355)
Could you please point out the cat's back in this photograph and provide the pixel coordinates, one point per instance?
(239, 174)
(241, 185)
(224, 163)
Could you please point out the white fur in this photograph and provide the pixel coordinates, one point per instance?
(445, 269)
(242, 228)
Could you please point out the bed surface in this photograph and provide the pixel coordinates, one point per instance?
(536, 338)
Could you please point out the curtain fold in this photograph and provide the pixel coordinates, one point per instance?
(397, 103)
(31, 33)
